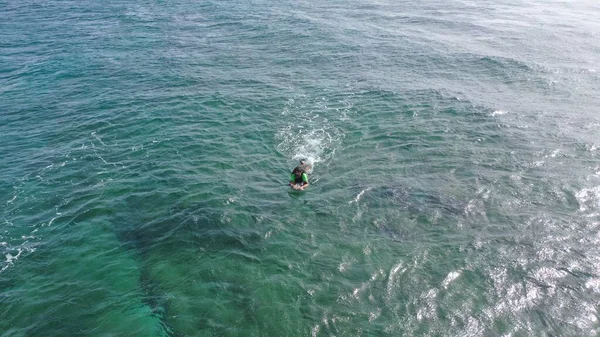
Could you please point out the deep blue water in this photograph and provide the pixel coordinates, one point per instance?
(146, 147)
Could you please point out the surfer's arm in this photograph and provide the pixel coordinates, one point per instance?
(304, 181)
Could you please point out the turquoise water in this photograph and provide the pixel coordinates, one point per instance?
(146, 147)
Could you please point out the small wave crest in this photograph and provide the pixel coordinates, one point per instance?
(359, 195)
(498, 113)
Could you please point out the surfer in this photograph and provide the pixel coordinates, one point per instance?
(299, 178)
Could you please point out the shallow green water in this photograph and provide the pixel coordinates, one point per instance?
(146, 147)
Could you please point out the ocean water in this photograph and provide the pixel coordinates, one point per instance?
(145, 148)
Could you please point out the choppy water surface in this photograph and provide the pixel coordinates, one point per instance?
(146, 147)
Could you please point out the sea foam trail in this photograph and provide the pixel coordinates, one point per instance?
(308, 130)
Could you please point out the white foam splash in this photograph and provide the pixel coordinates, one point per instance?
(314, 332)
(309, 132)
(498, 113)
(11, 259)
(593, 284)
(344, 266)
(553, 154)
(588, 197)
(313, 145)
